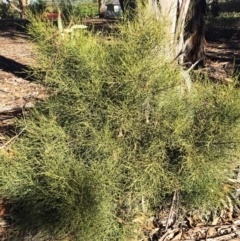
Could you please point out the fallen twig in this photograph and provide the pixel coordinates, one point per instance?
(16, 136)
(172, 217)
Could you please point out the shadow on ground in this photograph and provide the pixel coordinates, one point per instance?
(18, 69)
(223, 46)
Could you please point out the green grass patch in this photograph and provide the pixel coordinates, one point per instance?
(86, 9)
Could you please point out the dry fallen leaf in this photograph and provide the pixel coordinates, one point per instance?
(211, 232)
(139, 219)
(200, 224)
(215, 221)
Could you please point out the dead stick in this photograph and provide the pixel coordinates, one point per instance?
(173, 206)
(12, 139)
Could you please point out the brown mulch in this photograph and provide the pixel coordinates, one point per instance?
(223, 60)
(17, 89)
(223, 51)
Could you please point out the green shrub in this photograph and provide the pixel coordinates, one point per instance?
(7, 12)
(118, 135)
(50, 189)
(85, 9)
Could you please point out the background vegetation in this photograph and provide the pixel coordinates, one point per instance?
(80, 9)
(118, 135)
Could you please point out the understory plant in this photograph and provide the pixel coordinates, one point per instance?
(118, 134)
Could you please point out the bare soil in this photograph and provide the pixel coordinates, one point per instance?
(17, 88)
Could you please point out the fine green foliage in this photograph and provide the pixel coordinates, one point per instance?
(51, 189)
(118, 134)
(85, 9)
(7, 12)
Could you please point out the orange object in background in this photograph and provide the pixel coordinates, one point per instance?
(52, 16)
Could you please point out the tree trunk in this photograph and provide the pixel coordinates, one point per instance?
(22, 7)
(102, 8)
(185, 27)
(194, 35)
(179, 32)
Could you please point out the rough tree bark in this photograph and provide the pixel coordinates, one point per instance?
(194, 35)
(22, 7)
(101, 7)
(186, 26)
